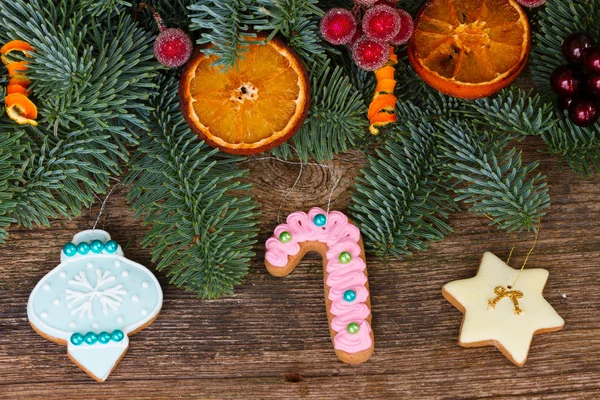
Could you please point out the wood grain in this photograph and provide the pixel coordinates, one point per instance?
(270, 340)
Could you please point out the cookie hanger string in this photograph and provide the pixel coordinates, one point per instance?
(537, 234)
(104, 202)
(301, 164)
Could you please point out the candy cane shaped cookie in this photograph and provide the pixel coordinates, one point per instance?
(345, 274)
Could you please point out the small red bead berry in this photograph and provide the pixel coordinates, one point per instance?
(173, 48)
(575, 45)
(584, 111)
(370, 54)
(591, 59)
(381, 23)
(531, 3)
(407, 27)
(338, 26)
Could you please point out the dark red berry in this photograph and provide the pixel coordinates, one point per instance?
(567, 80)
(564, 102)
(575, 45)
(593, 85)
(584, 111)
(591, 59)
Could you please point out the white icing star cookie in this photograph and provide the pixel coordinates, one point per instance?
(496, 314)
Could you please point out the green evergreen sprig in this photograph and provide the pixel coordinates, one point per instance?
(203, 221)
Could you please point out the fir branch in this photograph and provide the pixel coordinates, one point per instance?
(336, 119)
(498, 185)
(297, 20)
(226, 25)
(90, 79)
(203, 221)
(514, 111)
(578, 147)
(11, 151)
(401, 202)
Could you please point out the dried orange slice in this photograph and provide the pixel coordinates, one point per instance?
(254, 106)
(470, 48)
(20, 109)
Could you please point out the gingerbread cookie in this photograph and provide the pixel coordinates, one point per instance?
(345, 275)
(93, 301)
(501, 315)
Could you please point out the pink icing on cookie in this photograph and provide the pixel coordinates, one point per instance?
(340, 236)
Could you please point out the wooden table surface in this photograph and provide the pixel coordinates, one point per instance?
(270, 340)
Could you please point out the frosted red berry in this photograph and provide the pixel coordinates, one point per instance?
(381, 23)
(407, 27)
(531, 3)
(338, 26)
(173, 48)
(370, 54)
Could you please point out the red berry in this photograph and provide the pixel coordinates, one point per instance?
(567, 80)
(584, 111)
(359, 33)
(593, 85)
(531, 3)
(407, 27)
(591, 59)
(338, 26)
(366, 3)
(173, 48)
(370, 54)
(575, 45)
(381, 23)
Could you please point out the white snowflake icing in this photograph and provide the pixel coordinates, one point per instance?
(83, 299)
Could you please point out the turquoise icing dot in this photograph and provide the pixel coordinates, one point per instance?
(77, 338)
(320, 220)
(117, 335)
(349, 295)
(104, 337)
(70, 249)
(83, 248)
(352, 328)
(111, 246)
(345, 257)
(90, 338)
(96, 246)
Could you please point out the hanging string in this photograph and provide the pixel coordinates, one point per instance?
(331, 193)
(104, 202)
(510, 254)
(537, 234)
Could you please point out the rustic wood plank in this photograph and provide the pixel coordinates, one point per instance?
(270, 340)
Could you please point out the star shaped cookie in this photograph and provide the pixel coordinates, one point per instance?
(499, 315)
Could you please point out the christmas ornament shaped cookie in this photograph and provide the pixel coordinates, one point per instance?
(501, 315)
(93, 301)
(345, 274)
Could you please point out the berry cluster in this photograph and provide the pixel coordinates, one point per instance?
(369, 29)
(578, 84)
